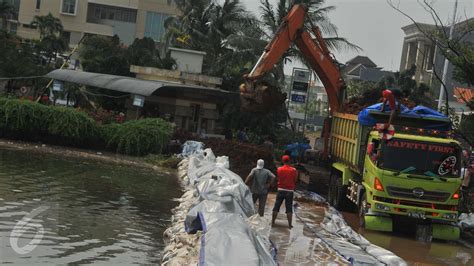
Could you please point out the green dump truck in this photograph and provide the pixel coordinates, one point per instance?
(413, 176)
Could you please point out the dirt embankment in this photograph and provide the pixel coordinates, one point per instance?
(242, 156)
(69, 152)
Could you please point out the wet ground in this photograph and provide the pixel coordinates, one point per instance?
(402, 243)
(58, 211)
(416, 252)
(300, 245)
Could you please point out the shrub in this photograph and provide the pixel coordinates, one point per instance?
(28, 120)
(138, 137)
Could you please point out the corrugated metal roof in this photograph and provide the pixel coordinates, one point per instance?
(121, 83)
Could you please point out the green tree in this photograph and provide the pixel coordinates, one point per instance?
(143, 52)
(466, 128)
(47, 25)
(103, 54)
(6, 9)
(50, 29)
(17, 57)
(205, 26)
(463, 64)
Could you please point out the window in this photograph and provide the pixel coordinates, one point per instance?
(38, 4)
(13, 28)
(100, 12)
(68, 7)
(154, 27)
(421, 158)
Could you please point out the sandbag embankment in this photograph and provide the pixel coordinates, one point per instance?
(215, 222)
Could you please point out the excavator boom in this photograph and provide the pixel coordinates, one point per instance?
(293, 31)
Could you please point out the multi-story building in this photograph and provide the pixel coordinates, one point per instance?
(128, 19)
(420, 50)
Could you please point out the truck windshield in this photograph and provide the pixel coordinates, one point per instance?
(422, 158)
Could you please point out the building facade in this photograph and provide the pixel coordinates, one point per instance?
(420, 51)
(128, 19)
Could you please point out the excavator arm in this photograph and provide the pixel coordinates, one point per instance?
(292, 31)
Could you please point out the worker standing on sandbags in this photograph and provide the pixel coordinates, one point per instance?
(393, 97)
(260, 180)
(287, 178)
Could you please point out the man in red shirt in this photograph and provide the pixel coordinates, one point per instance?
(287, 177)
(392, 96)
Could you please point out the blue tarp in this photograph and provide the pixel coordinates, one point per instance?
(366, 119)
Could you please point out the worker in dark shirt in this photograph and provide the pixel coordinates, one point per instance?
(393, 97)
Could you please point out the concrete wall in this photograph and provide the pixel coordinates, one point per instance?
(124, 30)
(78, 23)
(187, 60)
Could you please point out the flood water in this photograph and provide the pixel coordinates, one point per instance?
(57, 211)
(415, 252)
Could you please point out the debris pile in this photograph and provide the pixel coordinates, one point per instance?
(242, 156)
(215, 222)
(356, 104)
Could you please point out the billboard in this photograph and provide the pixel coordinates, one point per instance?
(298, 98)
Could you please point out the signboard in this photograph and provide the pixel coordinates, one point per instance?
(300, 86)
(57, 85)
(301, 75)
(138, 100)
(298, 98)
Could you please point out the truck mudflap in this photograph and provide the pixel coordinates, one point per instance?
(446, 232)
(378, 223)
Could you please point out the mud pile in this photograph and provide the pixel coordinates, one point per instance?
(242, 156)
(357, 104)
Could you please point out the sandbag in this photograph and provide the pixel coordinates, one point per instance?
(228, 240)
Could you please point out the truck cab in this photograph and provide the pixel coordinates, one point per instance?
(414, 175)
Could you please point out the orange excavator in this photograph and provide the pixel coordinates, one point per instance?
(258, 96)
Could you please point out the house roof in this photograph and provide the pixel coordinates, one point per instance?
(124, 84)
(463, 95)
(363, 60)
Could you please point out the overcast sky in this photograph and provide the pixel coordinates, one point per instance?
(376, 27)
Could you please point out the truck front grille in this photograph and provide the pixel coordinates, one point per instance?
(418, 194)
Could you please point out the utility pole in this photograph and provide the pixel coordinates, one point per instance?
(446, 62)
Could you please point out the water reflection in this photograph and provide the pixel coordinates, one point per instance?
(415, 252)
(96, 213)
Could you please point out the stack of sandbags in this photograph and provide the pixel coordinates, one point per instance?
(214, 221)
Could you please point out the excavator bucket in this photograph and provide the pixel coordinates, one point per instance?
(261, 99)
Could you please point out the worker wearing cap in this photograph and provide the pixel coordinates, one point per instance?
(287, 177)
(260, 180)
(393, 97)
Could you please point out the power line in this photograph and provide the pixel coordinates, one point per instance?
(29, 77)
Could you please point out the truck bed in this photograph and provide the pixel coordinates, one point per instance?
(348, 141)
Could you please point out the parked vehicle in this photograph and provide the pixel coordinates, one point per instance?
(414, 173)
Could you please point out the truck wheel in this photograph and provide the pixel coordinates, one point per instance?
(362, 210)
(337, 192)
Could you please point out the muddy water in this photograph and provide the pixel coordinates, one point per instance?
(58, 211)
(415, 252)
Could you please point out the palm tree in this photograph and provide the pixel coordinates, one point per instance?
(317, 15)
(5, 11)
(48, 25)
(205, 25)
